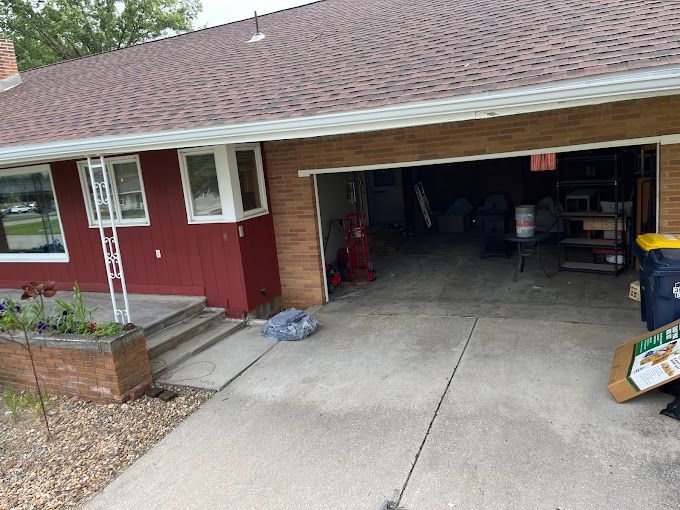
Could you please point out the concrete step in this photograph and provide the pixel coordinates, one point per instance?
(183, 351)
(179, 316)
(172, 336)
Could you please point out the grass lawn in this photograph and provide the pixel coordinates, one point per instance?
(33, 228)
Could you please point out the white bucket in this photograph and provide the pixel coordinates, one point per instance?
(525, 220)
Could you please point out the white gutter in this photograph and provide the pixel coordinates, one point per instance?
(556, 95)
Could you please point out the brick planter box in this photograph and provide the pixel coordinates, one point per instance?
(112, 368)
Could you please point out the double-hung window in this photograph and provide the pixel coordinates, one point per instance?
(126, 188)
(223, 183)
(30, 225)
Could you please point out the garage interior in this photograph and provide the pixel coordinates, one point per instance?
(455, 257)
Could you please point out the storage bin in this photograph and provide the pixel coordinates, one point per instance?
(659, 256)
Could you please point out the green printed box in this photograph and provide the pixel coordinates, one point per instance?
(646, 363)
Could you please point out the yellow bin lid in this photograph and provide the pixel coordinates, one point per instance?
(655, 241)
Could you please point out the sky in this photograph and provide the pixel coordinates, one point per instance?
(217, 12)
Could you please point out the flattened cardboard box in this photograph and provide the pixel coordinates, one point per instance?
(646, 363)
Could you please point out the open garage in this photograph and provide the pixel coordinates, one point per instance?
(444, 235)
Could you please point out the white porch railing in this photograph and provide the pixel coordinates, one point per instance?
(110, 246)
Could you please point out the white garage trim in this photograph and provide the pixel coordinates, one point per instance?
(321, 246)
(658, 140)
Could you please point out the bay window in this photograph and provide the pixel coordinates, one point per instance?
(223, 183)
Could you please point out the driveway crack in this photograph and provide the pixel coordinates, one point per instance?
(434, 416)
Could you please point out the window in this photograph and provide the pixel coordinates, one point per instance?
(127, 191)
(224, 183)
(203, 185)
(249, 180)
(30, 226)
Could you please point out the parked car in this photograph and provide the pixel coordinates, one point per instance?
(20, 209)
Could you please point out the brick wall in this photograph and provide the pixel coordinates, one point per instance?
(292, 198)
(8, 59)
(89, 374)
(669, 189)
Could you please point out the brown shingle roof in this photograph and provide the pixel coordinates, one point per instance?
(337, 55)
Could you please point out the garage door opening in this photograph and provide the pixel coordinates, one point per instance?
(449, 248)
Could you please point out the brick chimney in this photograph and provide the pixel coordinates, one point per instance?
(9, 71)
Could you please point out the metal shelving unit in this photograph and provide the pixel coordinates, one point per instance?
(590, 185)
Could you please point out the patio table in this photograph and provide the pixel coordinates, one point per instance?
(526, 247)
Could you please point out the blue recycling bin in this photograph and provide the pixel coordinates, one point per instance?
(662, 287)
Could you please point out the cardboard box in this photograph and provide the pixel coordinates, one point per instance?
(449, 223)
(646, 363)
(634, 291)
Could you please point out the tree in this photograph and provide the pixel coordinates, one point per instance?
(47, 31)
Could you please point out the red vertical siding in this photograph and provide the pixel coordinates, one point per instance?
(207, 259)
(260, 263)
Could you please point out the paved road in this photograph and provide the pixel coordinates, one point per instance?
(452, 412)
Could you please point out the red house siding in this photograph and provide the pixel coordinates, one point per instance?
(208, 259)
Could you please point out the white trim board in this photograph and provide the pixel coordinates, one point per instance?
(321, 246)
(599, 89)
(658, 140)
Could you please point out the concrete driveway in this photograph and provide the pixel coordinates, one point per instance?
(451, 412)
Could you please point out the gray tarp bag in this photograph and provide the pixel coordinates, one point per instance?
(290, 325)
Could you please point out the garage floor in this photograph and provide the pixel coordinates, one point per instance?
(444, 274)
(409, 395)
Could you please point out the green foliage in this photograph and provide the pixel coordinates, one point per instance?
(33, 401)
(17, 401)
(14, 401)
(70, 317)
(47, 31)
(73, 315)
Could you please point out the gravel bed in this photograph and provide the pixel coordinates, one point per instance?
(91, 444)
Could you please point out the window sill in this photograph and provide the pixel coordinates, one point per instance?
(107, 224)
(45, 258)
(254, 213)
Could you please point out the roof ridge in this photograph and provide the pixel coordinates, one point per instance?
(169, 37)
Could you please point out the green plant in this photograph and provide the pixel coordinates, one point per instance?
(14, 401)
(28, 321)
(107, 328)
(35, 404)
(74, 316)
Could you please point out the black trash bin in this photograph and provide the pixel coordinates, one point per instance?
(663, 278)
(659, 256)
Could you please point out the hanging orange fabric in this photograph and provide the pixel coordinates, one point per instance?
(543, 162)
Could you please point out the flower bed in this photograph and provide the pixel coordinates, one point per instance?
(65, 352)
(110, 368)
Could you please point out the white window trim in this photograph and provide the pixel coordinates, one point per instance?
(264, 209)
(38, 257)
(121, 222)
(228, 183)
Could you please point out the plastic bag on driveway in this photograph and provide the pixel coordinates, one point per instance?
(290, 325)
